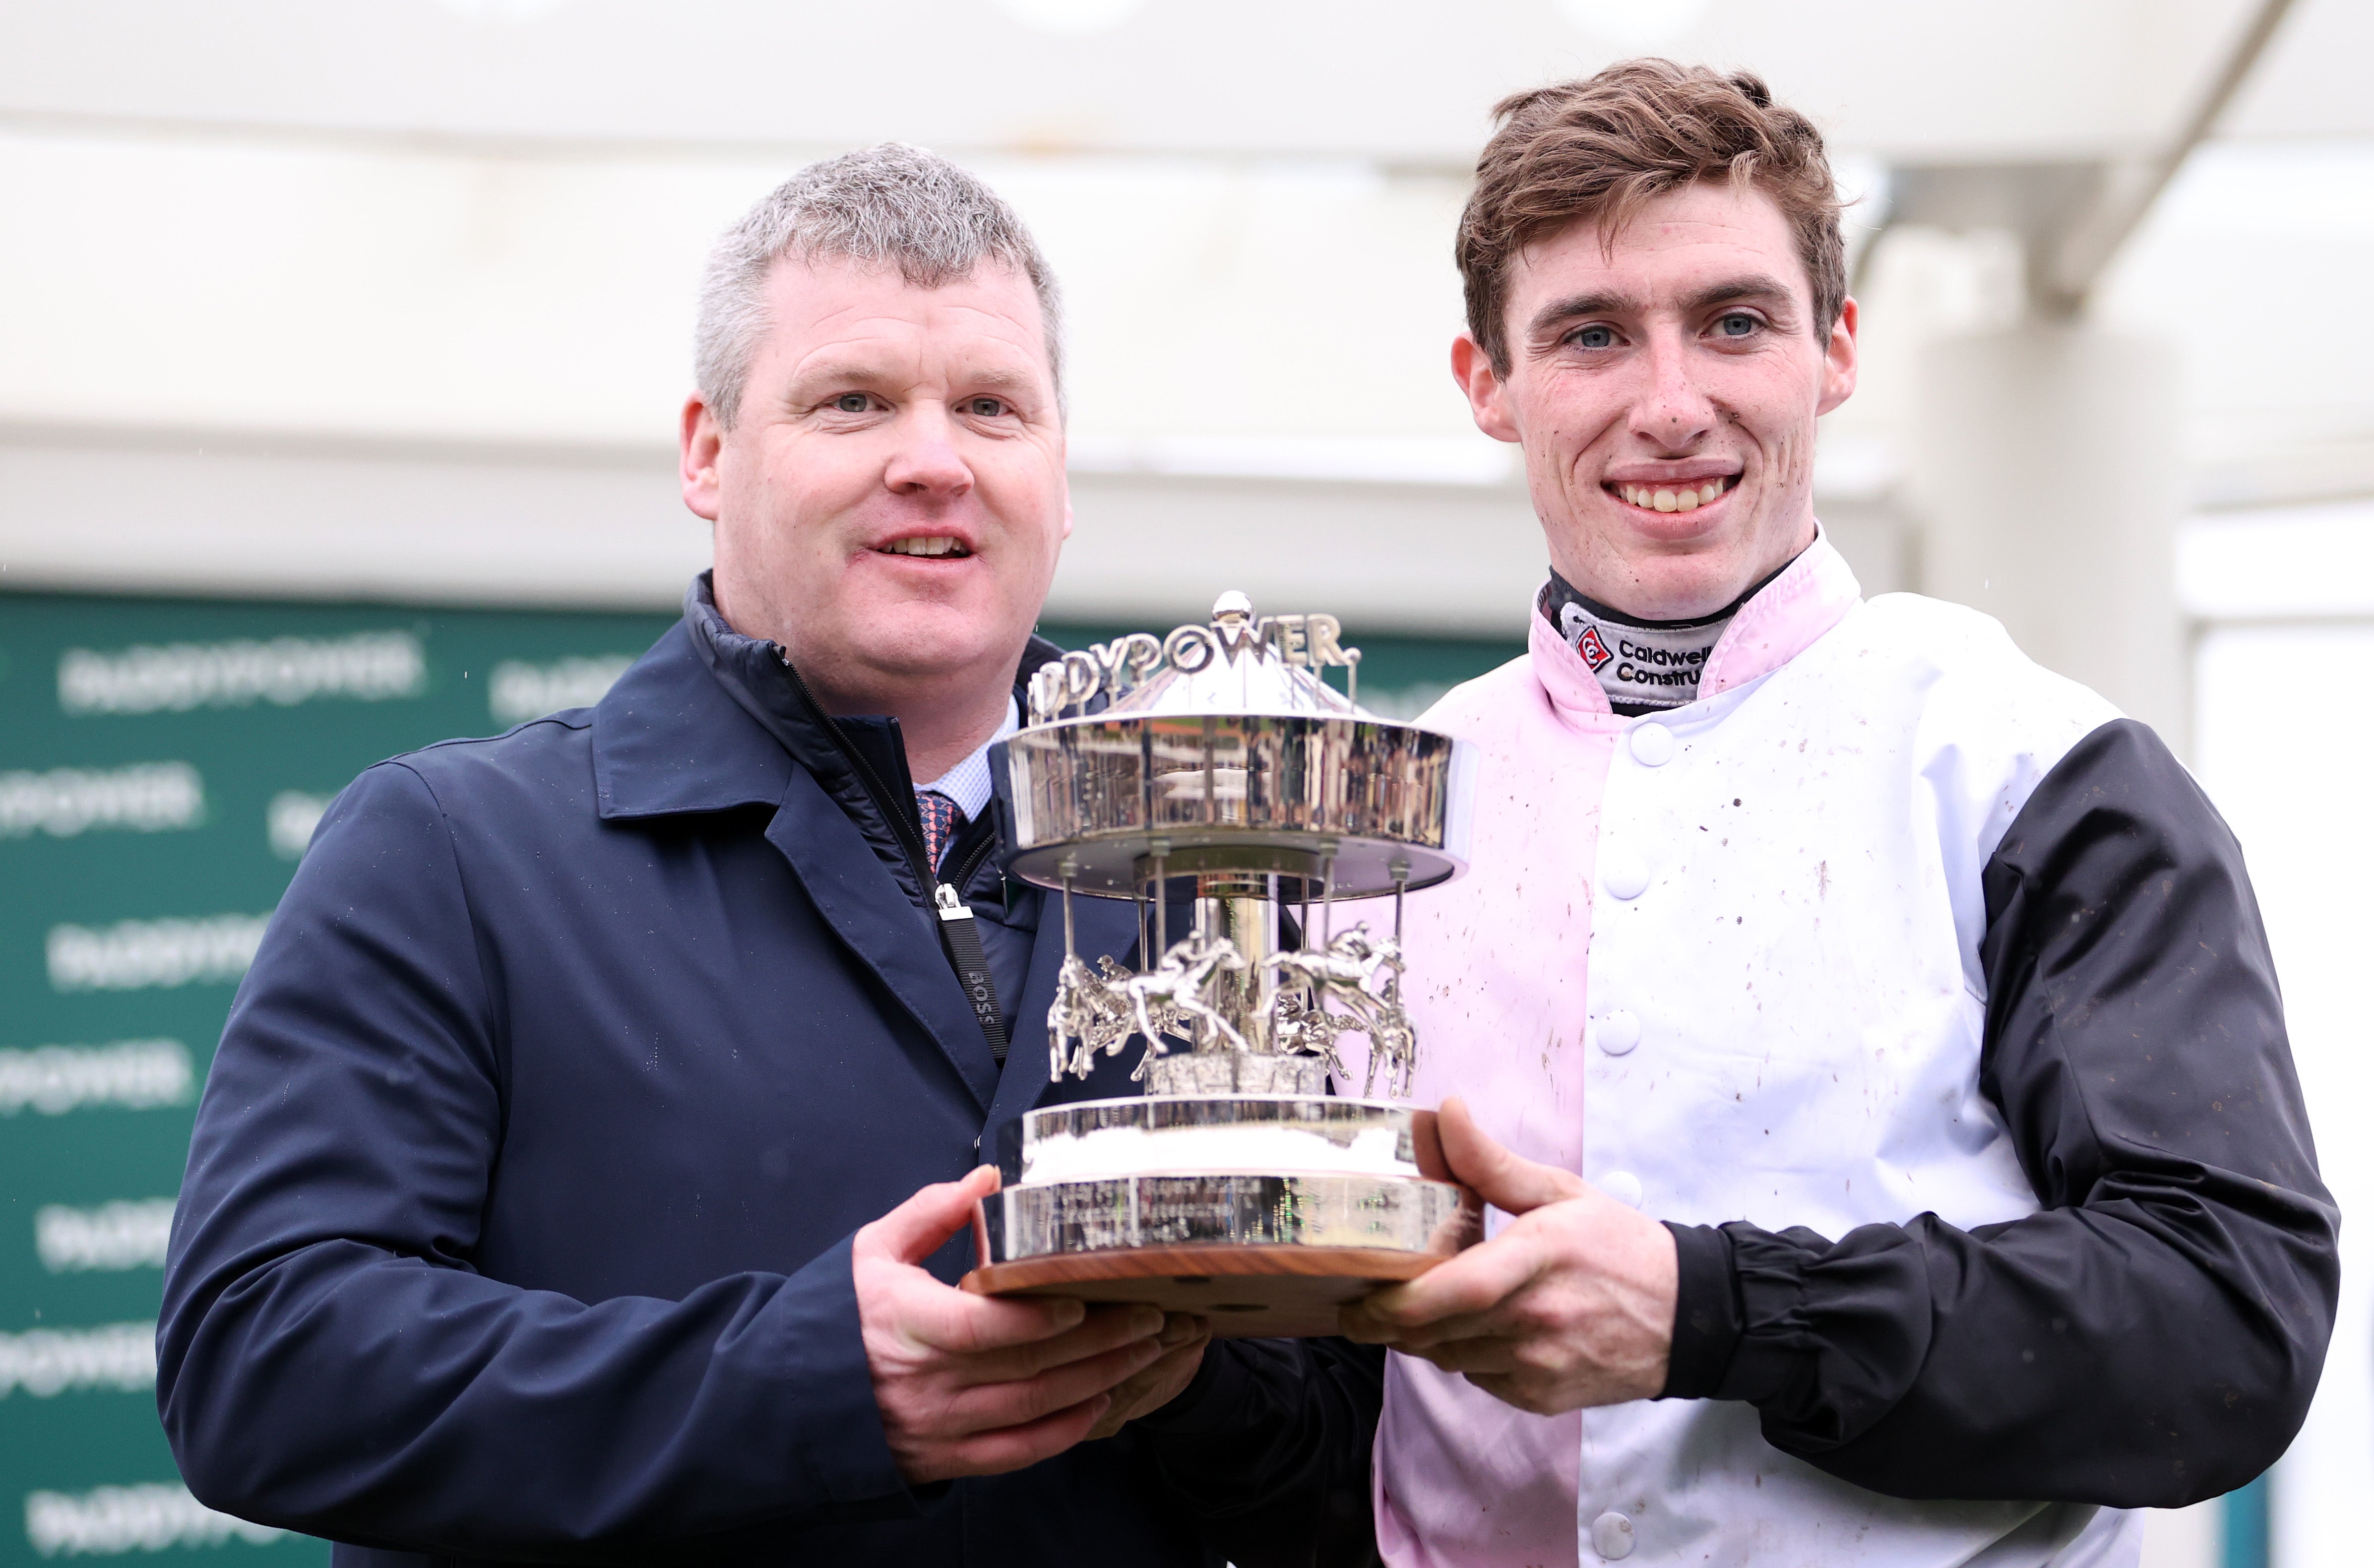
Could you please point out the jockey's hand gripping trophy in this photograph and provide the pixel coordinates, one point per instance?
(1217, 770)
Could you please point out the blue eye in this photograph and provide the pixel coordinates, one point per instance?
(851, 403)
(1594, 337)
(1738, 324)
(986, 408)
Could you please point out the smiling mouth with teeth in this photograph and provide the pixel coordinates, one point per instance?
(1671, 498)
(939, 545)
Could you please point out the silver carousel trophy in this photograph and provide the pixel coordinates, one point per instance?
(1236, 1186)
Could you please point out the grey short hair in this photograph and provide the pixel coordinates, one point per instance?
(886, 205)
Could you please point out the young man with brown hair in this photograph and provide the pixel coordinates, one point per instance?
(1870, 1046)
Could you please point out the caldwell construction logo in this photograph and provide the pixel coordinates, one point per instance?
(1594, 651)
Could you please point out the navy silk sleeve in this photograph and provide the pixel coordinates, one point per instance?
(329, 1361)
(1268, 1450)
(2153, 1336)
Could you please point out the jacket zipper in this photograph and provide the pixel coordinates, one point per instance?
(965, 872)
(959, 936)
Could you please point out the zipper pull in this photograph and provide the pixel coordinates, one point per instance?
(952, 905)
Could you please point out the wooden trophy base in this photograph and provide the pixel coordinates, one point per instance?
(1248, 1292)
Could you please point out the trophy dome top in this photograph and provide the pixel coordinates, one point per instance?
(1238, 663)
(1225, 744)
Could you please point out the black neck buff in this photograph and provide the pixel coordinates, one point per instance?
(1643, 666)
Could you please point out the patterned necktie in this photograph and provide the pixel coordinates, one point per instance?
(941, 821)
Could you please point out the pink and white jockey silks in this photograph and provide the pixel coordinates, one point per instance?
(1722, 961)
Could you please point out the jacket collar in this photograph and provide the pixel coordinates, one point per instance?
(667, 738)
(755, 676)
(1786, 616)
(709, 720)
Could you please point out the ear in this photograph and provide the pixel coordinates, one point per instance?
(1487, 393)
(699, 441)
(1839, 359)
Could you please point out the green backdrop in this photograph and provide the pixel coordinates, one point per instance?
(161, 763)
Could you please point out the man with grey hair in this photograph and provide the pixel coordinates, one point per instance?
(591, 1152)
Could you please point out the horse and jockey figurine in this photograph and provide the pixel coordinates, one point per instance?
(1099, 1009)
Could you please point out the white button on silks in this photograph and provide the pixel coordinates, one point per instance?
(1652, 745)
(1611, 1536)
(1625, 873)
(1618, 1033)
(1623, 1186)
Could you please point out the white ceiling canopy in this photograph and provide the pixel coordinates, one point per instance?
(2015, 79)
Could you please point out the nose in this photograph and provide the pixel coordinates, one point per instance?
(926, 463)
(1673, 413)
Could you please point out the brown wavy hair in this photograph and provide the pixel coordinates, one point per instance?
(1603, 148)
